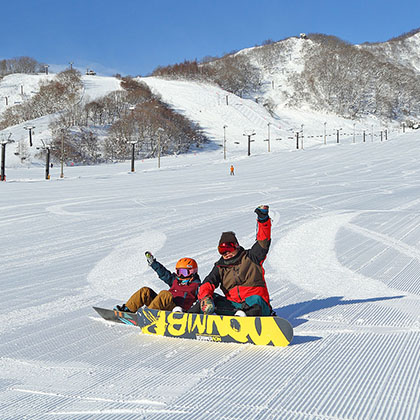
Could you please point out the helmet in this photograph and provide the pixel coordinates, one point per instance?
(186, 267)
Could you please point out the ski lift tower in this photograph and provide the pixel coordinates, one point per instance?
(47, 148)
(30, 128)
(4, 143)
(249, 134)
(133, 144)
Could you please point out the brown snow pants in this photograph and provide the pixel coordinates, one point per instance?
(147, 296)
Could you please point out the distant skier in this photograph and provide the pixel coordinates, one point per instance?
(232, 170)
(184, 284)
(240, 275)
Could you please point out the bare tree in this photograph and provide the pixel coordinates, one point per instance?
(24, 64)
(236, 74)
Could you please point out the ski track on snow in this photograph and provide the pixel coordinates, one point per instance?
(306, 255)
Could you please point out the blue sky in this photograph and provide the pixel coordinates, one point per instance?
(135, 36)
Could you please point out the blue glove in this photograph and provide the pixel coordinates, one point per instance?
(262, 213)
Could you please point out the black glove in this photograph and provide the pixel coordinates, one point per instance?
(207, 305)
(262, 213)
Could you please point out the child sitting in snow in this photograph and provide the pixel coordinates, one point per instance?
(184, 284)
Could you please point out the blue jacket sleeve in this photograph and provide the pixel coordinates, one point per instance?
(163, 273)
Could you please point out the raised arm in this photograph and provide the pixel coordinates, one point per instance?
(259, 250)
(163, 273)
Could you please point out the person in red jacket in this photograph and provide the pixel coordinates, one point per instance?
(182, 294)
(240, 275)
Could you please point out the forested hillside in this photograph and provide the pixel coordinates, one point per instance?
(321, 72)
(94, 131)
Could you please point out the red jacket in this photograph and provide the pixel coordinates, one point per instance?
(243, 275)
(185, 295)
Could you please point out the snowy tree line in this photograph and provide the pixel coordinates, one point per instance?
(25, 65)
(353, 82)
(397, 49)
(102, 130)
(233, 73)
(53, 96)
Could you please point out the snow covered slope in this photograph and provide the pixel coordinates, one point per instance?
(12, 86)
(404, 51)
(301, 73)
(97, 86)
(343, 268)
(19, 87)
(213, 108)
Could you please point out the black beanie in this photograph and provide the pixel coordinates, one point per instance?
(228, 237)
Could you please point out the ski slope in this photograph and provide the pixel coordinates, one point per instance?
(225, 118)
(18, 88)
(343, 268)
(214, 108)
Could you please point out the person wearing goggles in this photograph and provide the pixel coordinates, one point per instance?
(239, 274)
(182, 293)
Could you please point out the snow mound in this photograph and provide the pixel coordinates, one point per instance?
(125, 269)
(306, 257)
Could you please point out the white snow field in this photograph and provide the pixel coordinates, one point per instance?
(343, 267)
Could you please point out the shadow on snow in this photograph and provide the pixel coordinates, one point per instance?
(294, 312)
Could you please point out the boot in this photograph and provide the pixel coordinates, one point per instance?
(254, 310)
(121, 308)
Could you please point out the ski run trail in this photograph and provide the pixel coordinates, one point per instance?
(343, 268)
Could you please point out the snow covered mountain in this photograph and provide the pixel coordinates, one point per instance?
(221, 114)
(214, 108)
(401, 51)
(324, 73)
